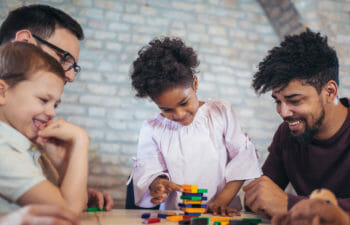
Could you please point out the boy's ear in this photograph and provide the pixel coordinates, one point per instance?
(3, 89)
(25, 36)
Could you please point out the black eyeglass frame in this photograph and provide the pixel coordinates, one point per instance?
(75, 66)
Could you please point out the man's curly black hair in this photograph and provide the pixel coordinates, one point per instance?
(163, 64)
(306, 57)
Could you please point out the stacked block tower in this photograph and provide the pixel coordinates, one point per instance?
(193, 200)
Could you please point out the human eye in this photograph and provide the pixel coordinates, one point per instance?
(295, 101)
(166, 110)
(44, 100)
(184, 103)
(277, 101)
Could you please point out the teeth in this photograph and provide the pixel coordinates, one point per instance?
(294, 123)
(38, 123)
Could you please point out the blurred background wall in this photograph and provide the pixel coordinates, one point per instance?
(230, 37)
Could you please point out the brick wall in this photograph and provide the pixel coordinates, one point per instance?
(230, 36)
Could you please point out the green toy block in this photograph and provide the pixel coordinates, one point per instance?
(255, 220)
(202, 190)
(193, 198)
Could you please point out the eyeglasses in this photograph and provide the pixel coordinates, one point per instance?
(67, 61)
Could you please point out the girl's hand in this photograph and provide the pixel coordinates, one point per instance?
(160, 189)
(220, 207)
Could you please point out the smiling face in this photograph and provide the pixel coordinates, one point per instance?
(301, 107)
(179, 104)
(31, 103)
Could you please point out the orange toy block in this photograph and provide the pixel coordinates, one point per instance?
(192, 202)
(190, 188)
(174, 218)
(221, 218)
(193, 210)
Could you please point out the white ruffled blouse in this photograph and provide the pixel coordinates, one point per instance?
(209, 152)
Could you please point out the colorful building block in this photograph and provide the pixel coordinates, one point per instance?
(192, 194)
(193, 198)
(242, 222)
(185, 222)
(193, 214)
(255, 220)
(221, 218)
(191, 202)
(146, 215)
(200, 221)
(162, 215)
(151, 220)
(202, 191)
(182, 205)
(174, 218)
(193, 210)
(189, 188)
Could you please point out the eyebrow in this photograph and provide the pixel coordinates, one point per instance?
(287, 96)
(179, 103)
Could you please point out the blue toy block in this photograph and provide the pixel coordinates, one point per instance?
(146, 215)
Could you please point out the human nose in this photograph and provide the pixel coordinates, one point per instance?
(178, 114)
(70, 75)
(50, 112)
(284, 110)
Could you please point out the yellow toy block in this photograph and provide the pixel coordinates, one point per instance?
(174, 218)
(224, 222)
(192, 202)
(189, 188)
(221, 218)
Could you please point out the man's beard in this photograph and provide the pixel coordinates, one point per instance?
(308, 135)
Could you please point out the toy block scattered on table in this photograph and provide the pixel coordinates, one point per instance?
(146, 215)
(221, 218)
(200, 221)
(151, 220)
(242, 222)
(255, 220)
(95, 209)
(185, 222)
(174, 218)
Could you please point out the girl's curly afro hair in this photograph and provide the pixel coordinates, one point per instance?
(163, 64)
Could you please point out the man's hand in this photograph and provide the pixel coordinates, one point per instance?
(263, 196)
(160, 189)
(313, 212)
(99, 199)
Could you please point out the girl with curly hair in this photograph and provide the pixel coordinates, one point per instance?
(190, 141)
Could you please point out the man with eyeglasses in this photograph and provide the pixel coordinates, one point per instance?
(58, 34)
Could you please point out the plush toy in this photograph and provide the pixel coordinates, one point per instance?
(320, 209)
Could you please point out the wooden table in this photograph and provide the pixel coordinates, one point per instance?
(133, 217)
